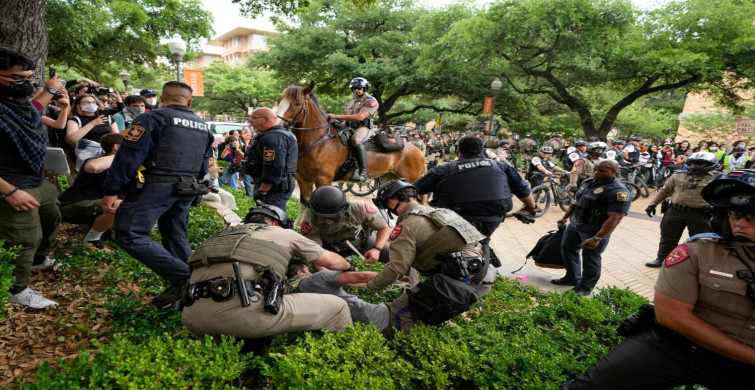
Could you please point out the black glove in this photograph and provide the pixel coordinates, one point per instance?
(259, 196)
(524, 216)
(573, 189)
(650, 210)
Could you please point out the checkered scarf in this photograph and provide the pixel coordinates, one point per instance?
(30, 144)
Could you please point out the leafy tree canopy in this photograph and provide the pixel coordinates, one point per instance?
(233, 90)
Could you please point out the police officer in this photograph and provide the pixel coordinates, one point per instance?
(272, 159)
(359, 113)
(687, 208)
(583, 168)
(600, 204)
(527, 147)
(344, 226)
(614, 153)
(504, 153)
(418, 143)
(478, 189)
(556, 144)
(704, 304)
(213, 301)
(437, 149)
(442, 246)
(174, 146)
(541, 163)
(631, 152)
(574, 153)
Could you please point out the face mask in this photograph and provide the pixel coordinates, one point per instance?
(89, 108)
(737, 155)
(713, 148)
(135, 110)
(18, 91)
(152, 101)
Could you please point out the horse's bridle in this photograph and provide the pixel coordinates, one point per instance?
(303, 114)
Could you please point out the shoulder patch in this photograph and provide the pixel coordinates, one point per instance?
(370, 208)
(577, 163)
(306, 228)
(373, 103)
(676, 256)
(712, 236)
(134, 133)
(573, 156)
(536, 160)
(269, 155)
(622, 196)
(396, 231)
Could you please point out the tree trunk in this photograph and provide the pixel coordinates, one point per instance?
(23, 28)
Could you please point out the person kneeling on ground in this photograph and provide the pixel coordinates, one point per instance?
(81, 203)
(238, 277)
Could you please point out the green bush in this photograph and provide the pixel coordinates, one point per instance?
(6, 275)
(163, 362)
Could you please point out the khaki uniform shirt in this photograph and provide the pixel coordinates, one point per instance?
(407, 236)
(436, 143)
(419, 144)
(360, 213)
(677, 186)
(702, 272)
(527, 146)
(582, 169)
(504, 155)
(365, 103)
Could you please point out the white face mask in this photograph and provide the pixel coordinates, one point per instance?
(89, 108)
(152, 101)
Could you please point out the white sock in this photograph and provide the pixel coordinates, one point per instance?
(93, 235)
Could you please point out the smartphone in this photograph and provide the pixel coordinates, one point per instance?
(52, 72)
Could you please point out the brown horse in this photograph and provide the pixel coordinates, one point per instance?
(321, 154)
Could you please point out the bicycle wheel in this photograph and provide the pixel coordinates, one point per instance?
(633, 189)
(365, 188)
(566, 200)
(542, 200)
(644, 190)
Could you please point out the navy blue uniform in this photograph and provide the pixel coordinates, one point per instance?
(594, 200)
(272, 159)
(173, 144)
(477, 188)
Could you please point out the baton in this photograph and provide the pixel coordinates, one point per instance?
(244, 295)
(355, 250)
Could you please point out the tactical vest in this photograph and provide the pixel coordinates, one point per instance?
(334, 236)
(591, 206)
(182, 145)
(238, 244)
(491, 142)
(454, 234)
(474, 179)
(635, 155)
(355, 109)
(547, 163)
(291, 154)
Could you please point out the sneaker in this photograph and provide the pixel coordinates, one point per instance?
(48, 263)
(97, 245)
(169, 296)
(581, 291)
(31, 298)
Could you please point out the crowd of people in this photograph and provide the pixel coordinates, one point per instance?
(139, 163)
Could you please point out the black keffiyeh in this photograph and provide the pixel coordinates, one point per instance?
(20, 130)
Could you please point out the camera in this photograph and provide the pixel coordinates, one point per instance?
(101, 90)
(233, 147)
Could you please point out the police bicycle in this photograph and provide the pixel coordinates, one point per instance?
(552, 191)
(634, 182)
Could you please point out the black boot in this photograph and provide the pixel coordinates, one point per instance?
(360, 173)
(655, 263)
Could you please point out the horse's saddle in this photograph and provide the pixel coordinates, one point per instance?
(381, 142)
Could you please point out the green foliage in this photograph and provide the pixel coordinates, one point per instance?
(161, 362)
(6, 274)
(233, 90)
(718, 124)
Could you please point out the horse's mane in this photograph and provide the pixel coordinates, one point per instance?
(295, 93)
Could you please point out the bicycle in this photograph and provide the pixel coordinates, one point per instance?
(633, 179)
(561, 195)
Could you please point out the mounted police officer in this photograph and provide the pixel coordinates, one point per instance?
(574, 153)
(439, 244)
(600, 204)
(478, 189)
(272, 159)
(583, 168)
(359, 113)
(704, 305)
(237, 282)
(173, 145)
(345, 227)
(687, 208)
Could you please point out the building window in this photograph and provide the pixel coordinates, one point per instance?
(259, 40)
(238, 41)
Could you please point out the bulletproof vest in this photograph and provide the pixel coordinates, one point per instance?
(568, 163)
(533, 169)
(335, 235)
(476, 179)
(292, 153)
(238, 244)
(182, 144)
(634, 156)
(454, 234)
(435, 143)
(591, 206)
(417, 143)
(491, 143)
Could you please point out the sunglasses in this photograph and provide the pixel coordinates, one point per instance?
(737, 215)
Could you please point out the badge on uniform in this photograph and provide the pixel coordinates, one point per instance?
(134, 133)
(577, 163)
(370, 208)
(598, 190)
(305, 228)
(269, 155)
(396, 231)
(676, 256)
(622, 196)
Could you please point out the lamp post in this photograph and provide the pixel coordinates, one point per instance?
(495, 86)
(177, 47)
(125, 77)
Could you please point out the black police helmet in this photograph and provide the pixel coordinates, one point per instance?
(400, 187)
(359, 82)
(328, 201)
(254, 214)
(580, 143)
(733, 191)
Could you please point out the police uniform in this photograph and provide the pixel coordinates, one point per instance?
(527, 147)
(419, 235)
(491, 142)
(614, 154)
(701, 272)
(174, 145)
(436, 147)
(356, 226)
(633, 152)
(594, 200)
(534, 162)
(255, 246)
(419, 145)
(272, 159)
(687, 209)
(506, 155)
(582, 169)
(363, 129)
(556, 145)
(571, 157)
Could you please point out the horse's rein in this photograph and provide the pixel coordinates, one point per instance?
(290, 123)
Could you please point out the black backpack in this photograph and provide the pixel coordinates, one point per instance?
(547, 251)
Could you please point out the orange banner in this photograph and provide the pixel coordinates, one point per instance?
(194, 79)
(488, 107)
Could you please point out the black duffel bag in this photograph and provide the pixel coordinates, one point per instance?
(388, 142)
(547, 251)
(440, 298)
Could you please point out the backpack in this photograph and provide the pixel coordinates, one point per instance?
(547, 251)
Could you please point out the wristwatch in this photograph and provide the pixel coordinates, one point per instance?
(596, 238)
(51, 90)
(378, 248)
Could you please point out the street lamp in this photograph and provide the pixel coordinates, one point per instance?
(495, 86)
(177, 47)
(125, 77)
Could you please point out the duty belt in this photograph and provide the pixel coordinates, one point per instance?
(154, 178)
(684, 208)
(687, 344)
(220, 290)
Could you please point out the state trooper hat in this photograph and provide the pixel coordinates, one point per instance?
(328, 201)
(734, 191)
(147, 92)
